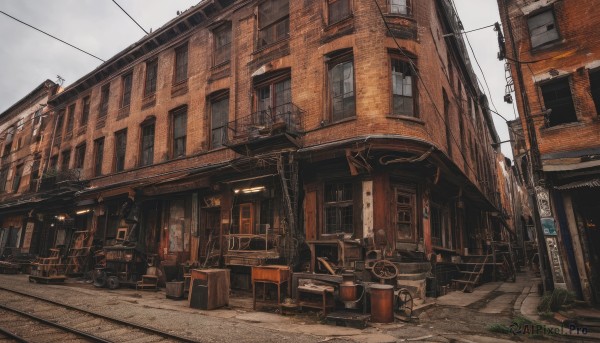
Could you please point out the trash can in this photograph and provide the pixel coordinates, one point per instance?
(174, 290)
(382, 303)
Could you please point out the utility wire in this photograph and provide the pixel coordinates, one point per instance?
(47, 34)
(462, 33)
(130, 17)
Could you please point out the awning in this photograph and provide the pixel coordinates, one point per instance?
(580, 184)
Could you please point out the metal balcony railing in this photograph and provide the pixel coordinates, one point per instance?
(52, 179)
(285, 118)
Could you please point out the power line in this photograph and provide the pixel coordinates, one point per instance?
(462, 33)
(130, 17)
(47, 34)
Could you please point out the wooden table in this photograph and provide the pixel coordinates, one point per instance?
(275, 274)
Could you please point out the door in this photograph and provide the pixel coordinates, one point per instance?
(246, 218)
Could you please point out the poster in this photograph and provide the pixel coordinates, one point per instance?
(548, 226)
(543, 199)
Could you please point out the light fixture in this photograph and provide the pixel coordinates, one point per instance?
(87, 210)
(249, 190)
(60, 217)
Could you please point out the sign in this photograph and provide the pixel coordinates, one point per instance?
(543, 199)
(548, 226)
(555, 261)
(28, 236)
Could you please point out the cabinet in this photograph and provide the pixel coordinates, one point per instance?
(276, 275)
(209, 288)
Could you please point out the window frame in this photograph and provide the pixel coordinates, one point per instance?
(180, 72)
(409, 11)
(151, 79)
(332, 63)
(271, 84)
(86, 104)
(338, 205)
(272, 26)
(217, 98)
(595, 92)
(65, 160)
(3, 178)
(70, 123)
(79, 156)
(18, 176)
(548, 118)
(411, 193)
(143, 148)
(104, 100)
(342, 17)
(529, 30)
(414, 89)
(98, 156)
(181, 111)
(223, 51)
(118, 165)
(126, 89)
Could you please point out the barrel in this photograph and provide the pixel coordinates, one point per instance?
(382, 303)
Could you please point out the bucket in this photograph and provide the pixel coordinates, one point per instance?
(382, 303)
(174, 290)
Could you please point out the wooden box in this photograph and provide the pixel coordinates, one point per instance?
(209, 288)
(273, 274)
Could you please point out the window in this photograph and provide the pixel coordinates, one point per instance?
(65, 160)
(37, 122)
(147, 144)
(60, 121)
(341, 76)
(179, 127)
(273, 99)
(222, 36)
(402, 88)
(447, 120)
(35, 172)
(401, 7)
(85, 112)
(104, 95)
(338, 208)
(219, 119)
(404, 212)
(273, 21)
(120, 149)
(10, 135)
(181, 63)
(126, 97)
(438, 225)
(557, 97)
(595, 88)
(338, 10)
(542, 28)
(79, 156)
(17, 179)
(98, 156)
(3, 178)
(151, 75)
(70, 119)
(53, 162)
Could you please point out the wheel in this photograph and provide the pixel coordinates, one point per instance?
(384, 270)
(404, 303)
(112, 282)
(99, 278)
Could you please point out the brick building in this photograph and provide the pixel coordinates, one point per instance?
(553, 51)
(266, 131)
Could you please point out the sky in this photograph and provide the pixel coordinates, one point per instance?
(28, 57)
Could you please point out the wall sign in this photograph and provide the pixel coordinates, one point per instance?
(548, 226)
(543, 199)
(555, 261)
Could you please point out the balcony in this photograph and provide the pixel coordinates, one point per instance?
(52, 179)
(275, 128)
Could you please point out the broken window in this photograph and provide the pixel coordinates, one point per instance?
(79, 156)
(179, 125)
(273, 21)
(402, 88)
(151, 74)
(120, 149)
(3, 178)
(147, 144)
(85, 111)
(557, 98)
(17, 178)
(404, 212)
(338, 10)
(181, 63)
(65, 160)
(104, 96)
(338, 208)
(70, 119)
(219, 120)
(595, 88)
(401, 7)
(341, 76)
(98, 156)
(273, 98)
(542, 28)
(222, 41)
(126, 96)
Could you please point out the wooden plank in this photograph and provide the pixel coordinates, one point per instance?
(310, 215)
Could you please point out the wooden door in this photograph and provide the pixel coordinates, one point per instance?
(246, 218)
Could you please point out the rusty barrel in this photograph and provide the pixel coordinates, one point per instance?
(382, 303)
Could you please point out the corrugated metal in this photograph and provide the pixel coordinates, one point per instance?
(580, 184)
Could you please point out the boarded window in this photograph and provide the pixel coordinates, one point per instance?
(17, 178)
(402, 88)
(126, 96)
(65, 160)
(219, 120)
(147, 149)
(341, 76)
(85, 111)
(542, 28)
(70, 118)
(120, 150)
(595, 88)
(404, 213)
(558, 98)
(151, 74)
(401, 7)
(179, 118)
(222, 36)
(98, 156)
(79, 156)
(104, 96)
(273, 21)
(338, 10)
(338, 208)
(181, 63)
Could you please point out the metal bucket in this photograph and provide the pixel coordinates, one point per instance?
(382, 303)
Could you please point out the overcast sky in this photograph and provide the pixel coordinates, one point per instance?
(28, 57)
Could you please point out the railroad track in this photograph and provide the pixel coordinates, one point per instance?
(30, 318)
